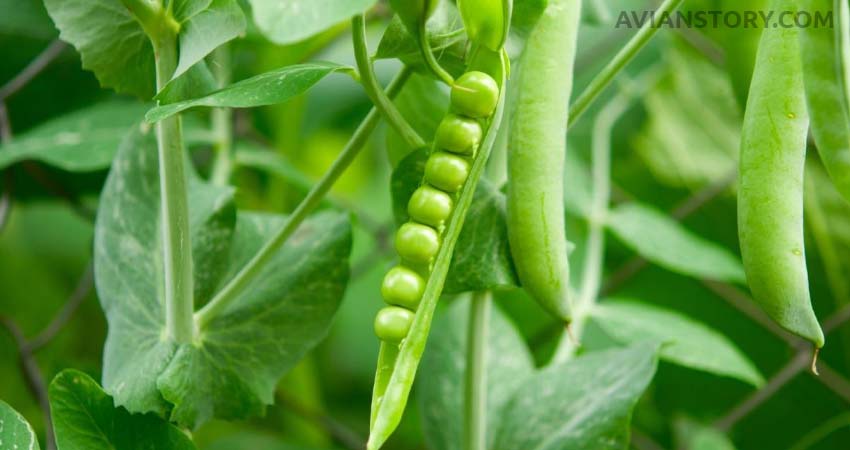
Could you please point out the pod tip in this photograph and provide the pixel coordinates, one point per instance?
(815, 361)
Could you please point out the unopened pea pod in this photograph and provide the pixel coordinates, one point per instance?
(826, 56)
(536, 155)
(770, 194)
(486, 21)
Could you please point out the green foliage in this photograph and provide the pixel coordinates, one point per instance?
(596, 392)
(667, 243)
(146, 373)
(85, 418)
(15, 431)
(269, 88)
(684, 341)
(295, 20)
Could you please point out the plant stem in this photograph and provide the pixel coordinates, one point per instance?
(475, 401)
(428, 56)
(373, 90)
(242, 279)
(594, 259)
(176, 243)
(623, 57)
(222, 120)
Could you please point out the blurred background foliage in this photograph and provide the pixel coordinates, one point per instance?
(674, 149)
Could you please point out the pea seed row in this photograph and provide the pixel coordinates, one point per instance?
(473, 99)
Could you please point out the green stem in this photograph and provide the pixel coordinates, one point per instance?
(475, 404)
(623, 57)
(594, 258)
(242, 279)
(222, 120)
(373, 90)
(156, 21)
(176, 243)
(430, 59)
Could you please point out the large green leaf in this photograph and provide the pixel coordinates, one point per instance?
(268, 88)
(114, 46)
(81, 141)
(686, 342)
(85, 418)
(111, 43)
(445, 35)
(285, 22)
(86, 140)
(232, 368)
(441, 391)
(665, 242)
(15, 431)
(583, 404)
(482, 258)
(212, 26)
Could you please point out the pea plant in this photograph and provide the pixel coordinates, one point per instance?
(464, 223)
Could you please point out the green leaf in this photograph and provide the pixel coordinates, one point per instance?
(686, 342)
(693, 435)
(693, 127)
(198, 81)
(111, 43)
(230, 371)
(285, 22)
(81, 141)
(583, 404)
(665, 242)
(220, 22)
(26, 18)
(85, 418)
(15, 431)
(86, 140)
(440, 385)
(826, 71)
(268, 88)
(445, 34)
(482, 258)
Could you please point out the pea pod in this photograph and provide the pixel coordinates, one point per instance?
(536, 155)
(770, 194)
(826, 56)
(486, 21)
(453, 170)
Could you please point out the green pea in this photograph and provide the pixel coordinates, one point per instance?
(458, 135)
(403, 287)
(416, 242)
(826, 70)
(536, 155)
(446, 171)
(429, 206)
(770, 193)
(475, 94)
(392, 323)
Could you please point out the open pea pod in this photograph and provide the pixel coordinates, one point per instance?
(398, 359)
(826, 69)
